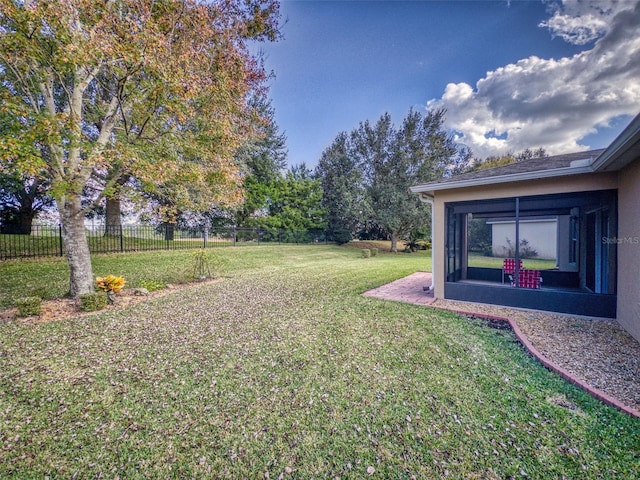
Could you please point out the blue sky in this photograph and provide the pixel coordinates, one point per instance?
(511, 74)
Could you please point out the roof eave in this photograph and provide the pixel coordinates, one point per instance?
(430, 188)
(613, 157)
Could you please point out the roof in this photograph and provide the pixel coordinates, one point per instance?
(623, 150)
(532, 169)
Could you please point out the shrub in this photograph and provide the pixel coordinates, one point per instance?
(342, 236)
(485, 249)
(525, 250)
(201, 266)
(110, 283)
(152, 285)
(411, 246)
(90, 302)
(29, 306)
(374, 252)
(366, 253)
(423, 244)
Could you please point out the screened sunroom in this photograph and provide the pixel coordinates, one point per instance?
(558, 233)
(551, 252)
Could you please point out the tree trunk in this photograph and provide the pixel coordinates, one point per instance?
(169, 231)
(76, 247)
(26, 221)
(394, 243)
(113, 218)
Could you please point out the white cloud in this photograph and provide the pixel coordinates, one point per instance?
(551, 103)
(580, 22)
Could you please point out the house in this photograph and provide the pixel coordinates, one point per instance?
(594, 197)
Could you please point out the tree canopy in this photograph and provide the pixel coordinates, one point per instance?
(366, 174)
(158, 90)
(507, 159)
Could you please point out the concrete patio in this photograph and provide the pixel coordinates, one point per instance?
(409, 289)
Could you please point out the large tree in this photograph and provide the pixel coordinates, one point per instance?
(366, 175)
(21, 199)
(395, 159)
(292, 202)
(262, 161)
(343, 196)
(153, 88)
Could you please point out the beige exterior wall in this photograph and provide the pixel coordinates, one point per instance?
(577, 183)
(629, 249)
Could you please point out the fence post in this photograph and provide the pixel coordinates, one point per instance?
(233, 233)
(205, 234)
(60, 238)
(121, 239)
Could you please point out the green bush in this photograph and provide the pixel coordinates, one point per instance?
(90, 302)
(411, 246)
(152, 285)
(29, 306)
(374, 252)
(366, 253)
(424, 244)
(342, 236)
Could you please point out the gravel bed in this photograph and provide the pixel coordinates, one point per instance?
(595, 350)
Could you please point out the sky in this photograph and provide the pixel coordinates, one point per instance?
(511, 75)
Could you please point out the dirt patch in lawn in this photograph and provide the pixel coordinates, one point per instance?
(63, 308)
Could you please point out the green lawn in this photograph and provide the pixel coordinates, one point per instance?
(496, 262)
(283, 370)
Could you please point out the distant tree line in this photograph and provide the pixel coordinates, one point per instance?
(359, 189)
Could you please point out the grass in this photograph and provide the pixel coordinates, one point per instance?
(283, 370)
(496, 262)
(48, 278)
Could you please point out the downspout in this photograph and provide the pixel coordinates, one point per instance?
(427, 199)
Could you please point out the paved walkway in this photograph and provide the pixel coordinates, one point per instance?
(409, 289)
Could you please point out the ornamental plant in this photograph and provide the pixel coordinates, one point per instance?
(90, 302)
(28, 306)
(110, 283)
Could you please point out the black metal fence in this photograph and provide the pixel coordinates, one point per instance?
(46, 240)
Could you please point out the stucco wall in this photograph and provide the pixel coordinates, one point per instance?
(576, 183)
(629, 249)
